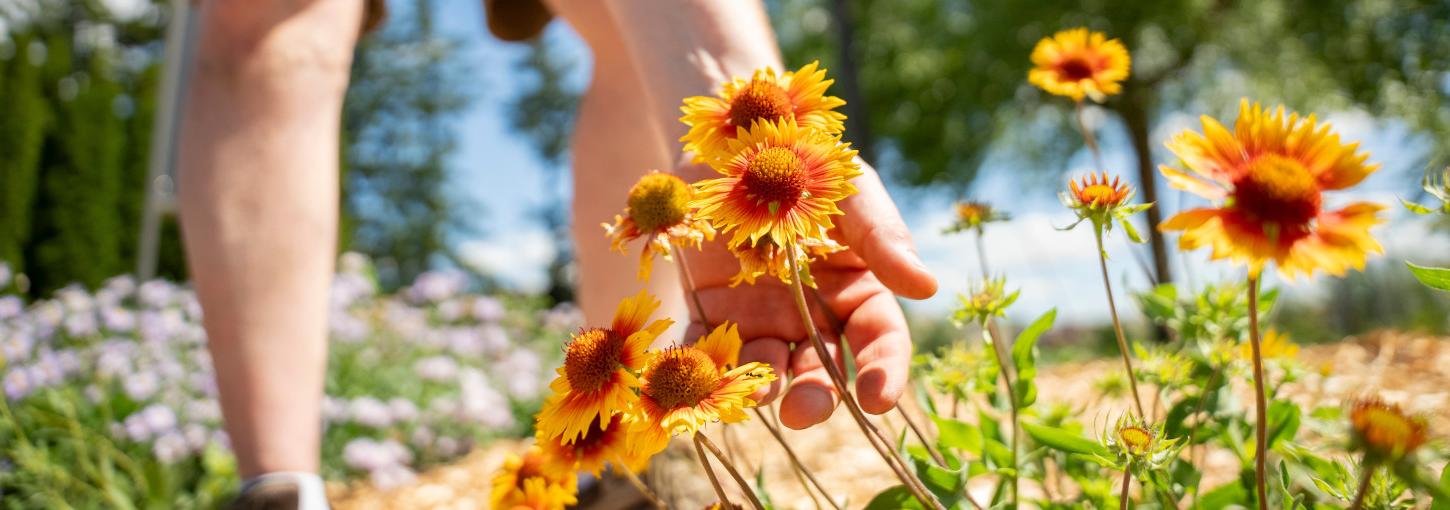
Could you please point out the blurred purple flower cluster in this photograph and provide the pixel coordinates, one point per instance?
(415, 377)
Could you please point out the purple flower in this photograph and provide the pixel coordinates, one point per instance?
(170, 447)
(17, 383)
(81, 324)
(479, 402)
(140, 386)
(487, 309)
(158, 419)
(155, 293)
(523, 381)
(402, 410)
(10, 307)
(436, 368)
(436, 286)
(117, 319)
(197, 435)
(450, 310)
(423, 437)
(389, 477)
(369, 411)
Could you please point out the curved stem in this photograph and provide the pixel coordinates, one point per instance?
(1005, 369)
(639, 485)
(689, 280)
(800, 470)
(710, 473)
(702, 439)
(1261, 425)
(1117, 324)
(1123, 500)
(1087, 136)
(838, 379)
(916, 430)
(1364, 480)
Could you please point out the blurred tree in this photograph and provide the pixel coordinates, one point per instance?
(23, 120)
(397, 132)
(944, 82)
(544, 111)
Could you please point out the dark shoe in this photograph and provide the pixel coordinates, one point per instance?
(281, 491)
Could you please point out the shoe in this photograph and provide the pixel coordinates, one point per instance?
(282, 491)
(516, 20)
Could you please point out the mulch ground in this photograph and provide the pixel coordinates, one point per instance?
(1412, 370)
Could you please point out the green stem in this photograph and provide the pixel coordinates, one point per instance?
(1123, 500)
(710, 473)
(702, 439)
(1117, 324)
(838, 379)
(1364, 481)
(1005, 370)
(1261, 411)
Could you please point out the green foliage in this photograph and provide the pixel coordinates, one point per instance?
(1024, 358)
(23, 121)
(1433, 277)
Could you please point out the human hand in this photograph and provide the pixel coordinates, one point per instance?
(856, 285)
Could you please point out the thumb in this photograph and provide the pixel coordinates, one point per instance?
(873, 228)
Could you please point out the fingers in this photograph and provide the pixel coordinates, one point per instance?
(881, 344)
(873, 228)
(772, 351)
(811, 398)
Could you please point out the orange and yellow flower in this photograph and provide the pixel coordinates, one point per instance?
(768, 258)
(1275, 345)
(686, 387)
(658, 208)
(783, 182)
(599, 445)
(1079, 63)
(1271, 172)
(529, 482)
(1097, 192)
(1384, 430)
(598, 378)
(974, 215)
(767, 97)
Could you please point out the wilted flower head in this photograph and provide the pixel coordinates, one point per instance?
(988, 299)
(973, 215)
(1384, 431)
(1139, 444)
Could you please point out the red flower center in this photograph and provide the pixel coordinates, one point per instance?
(596, 439)
(1074, 69)
(1277, 189)
(591, 358)
(760, 100)
(775, 175)
(680, 377)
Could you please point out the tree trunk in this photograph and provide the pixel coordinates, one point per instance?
(847, 75)
(1134, 109)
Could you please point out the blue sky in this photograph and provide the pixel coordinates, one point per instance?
(497, 169)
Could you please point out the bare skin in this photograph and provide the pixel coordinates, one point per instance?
(258, 183)
(259, 203)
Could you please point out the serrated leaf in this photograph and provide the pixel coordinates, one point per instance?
(1432, 277)
(1024, 357)
(1064, 441)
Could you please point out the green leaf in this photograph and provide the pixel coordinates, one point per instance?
(1415, 208)
(946, 484)
(1023, 356)
(1224, 496)
(958, 434)
(1442, 501)
(1064, 441)
(897, 497)
(1283, 421)
(1432, 277)
(1129, 229)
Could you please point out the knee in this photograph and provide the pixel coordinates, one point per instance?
(268, 40)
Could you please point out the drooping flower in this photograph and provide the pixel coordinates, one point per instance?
(1078, 63)
(1384, 431)
(598, 446)
(658, 209)
(598, 378)
(1139, 444)
(1270, 173)
(686, 387)
(1104, 202)
(974, 215)
(767, 97)
(988, 298)
(528, 482)
(783, 182)
(768, 258)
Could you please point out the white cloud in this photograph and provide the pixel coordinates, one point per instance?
(518, 259)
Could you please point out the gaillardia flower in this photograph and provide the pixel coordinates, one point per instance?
(528, 482)
(658, 208)
(1078, 63)
(766, 257)
(686, 387)
(1103, 199)
(988, 299)
(1275, 345)
(784, 182)
(599, 445)
(767, 97)
(1139, 444)
(973, 215)
(598, 378)
(1271, 172)
(1384, 431)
